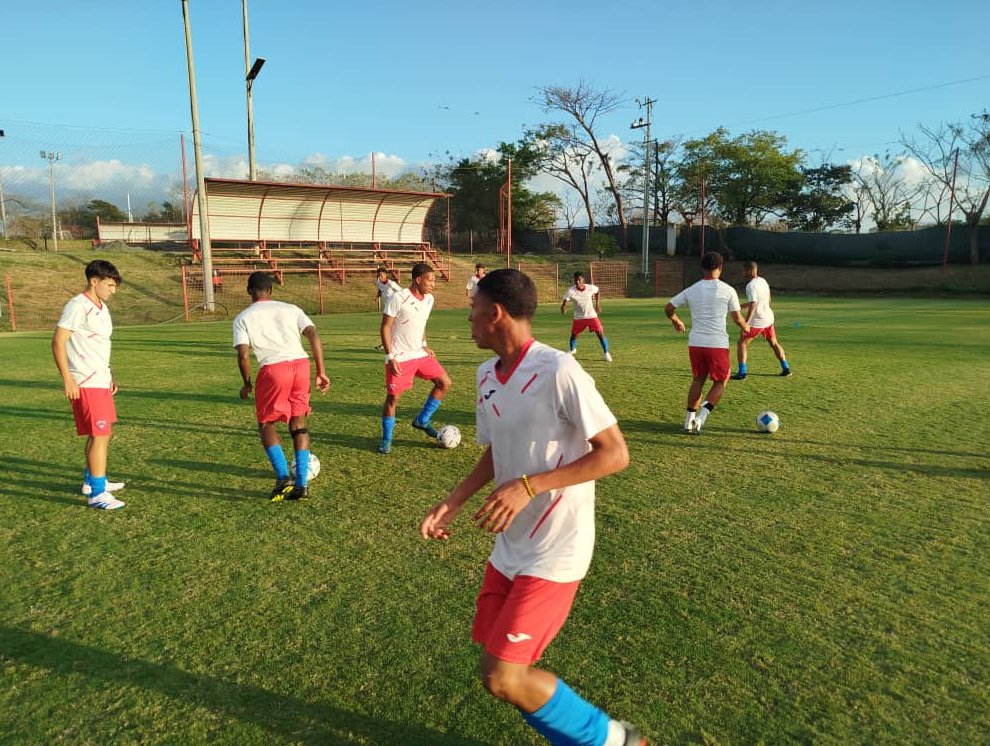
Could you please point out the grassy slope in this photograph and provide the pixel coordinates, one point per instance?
(828, 584)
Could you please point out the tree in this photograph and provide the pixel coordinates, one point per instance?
(747, 178)
(881, 180)
(969, 183)
(86, 216)
(565, 157)
(585, 105)
(822, 200)
(664, 181)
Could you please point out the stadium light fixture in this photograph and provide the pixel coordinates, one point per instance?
(51, 157)
(255, 69)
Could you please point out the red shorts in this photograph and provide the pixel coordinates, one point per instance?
(579, 325)
(766, 332)
(710, 362)
(94, 412)
(282, 391)
(515, 620)
(427, 368)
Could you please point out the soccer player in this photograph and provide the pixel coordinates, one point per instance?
(387, 287)
(548, 437)
(407, 355)
(710, 300)
(271, 330)
(81, 348)
(586, 309)
(760, 318)
(472, 283)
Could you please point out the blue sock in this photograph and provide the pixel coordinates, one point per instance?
(302, 468)
(99, 485)
(604, 344)
(573, 343)
(568, 720)
(87, 477)
(742, 369)
(277, 458)
(784, 365)
(430, 406)
(388, 425)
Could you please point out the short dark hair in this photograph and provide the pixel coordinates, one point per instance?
(260, 282)
(711, 261)
(382, 271)
(103, 270)
(511, 289)
(578, 275)
(750, 265)
(419, 269)
(479, 266)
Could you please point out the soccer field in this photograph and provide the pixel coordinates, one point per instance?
(828, 584)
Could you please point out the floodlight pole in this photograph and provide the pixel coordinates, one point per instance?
(52, 157)
(250, 73)
(204, 220)
(648, 103)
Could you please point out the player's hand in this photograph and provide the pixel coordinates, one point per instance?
(678, 325)
(434, 525)
(394, 367)
(71, 390)
(113, 388)
(322, 383)
(502, 506)
(429, 352)
(245, 390)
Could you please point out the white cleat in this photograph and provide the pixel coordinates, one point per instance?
(699, 421)
(111, 487)
(105, 501)
(608, 357)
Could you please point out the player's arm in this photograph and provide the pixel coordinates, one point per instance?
(244, 365)
(59, 341)
(608, 455)
(322, 379)
(739, 321)
(388, 322)
(563, 306)
(671, 311)
(434, 525)
(598, 303)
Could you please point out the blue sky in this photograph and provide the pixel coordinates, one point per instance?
(106, 81)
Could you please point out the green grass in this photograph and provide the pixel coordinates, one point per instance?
(827, 584)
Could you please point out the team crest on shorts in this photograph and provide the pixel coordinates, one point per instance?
(101, 424)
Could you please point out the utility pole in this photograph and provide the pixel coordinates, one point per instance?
(204, 219)
(3, 207)
(647, 103)
(250, 73)
(52, 157)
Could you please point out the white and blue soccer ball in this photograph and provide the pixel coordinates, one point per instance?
(767, 422)
(314, 467)
(449, 436)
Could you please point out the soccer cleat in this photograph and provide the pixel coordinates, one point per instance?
(385, 446)
(280, 490)
(572, 352)
(633, 735)
(785, 373)
(689, 418)
(608, 357)
(699, 421)
(111, 487)
(739, 377)
(298, 493)
(427, 428)
(105, 501)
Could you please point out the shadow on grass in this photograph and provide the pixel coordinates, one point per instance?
(282, 715)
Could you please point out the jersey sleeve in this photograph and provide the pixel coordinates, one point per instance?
(72, 317)
(569, 294)
(679, 300)
(580, 403)
(594, 289)
(733, 300)
(392, 306)
(482, 436)
(241, 336)
(302, 320)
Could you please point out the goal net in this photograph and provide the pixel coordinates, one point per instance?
(546, 278)
(610, 277)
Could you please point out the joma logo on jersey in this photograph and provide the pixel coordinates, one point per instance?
(488, 395)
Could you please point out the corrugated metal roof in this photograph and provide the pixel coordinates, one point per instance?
(270, 211)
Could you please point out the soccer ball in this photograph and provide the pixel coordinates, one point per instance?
(314, 467)
(767, 422)
(449, 436)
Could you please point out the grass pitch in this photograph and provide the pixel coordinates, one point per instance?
(828, 584)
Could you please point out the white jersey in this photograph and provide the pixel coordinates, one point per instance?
(88, 348)
(538, 417)
(409, 330)
(584, 301)
(758, 293)
(387, 289)
(472, 285)
(272, 330)
(709, 301)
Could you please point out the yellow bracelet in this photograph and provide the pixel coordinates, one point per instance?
(528, 486)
